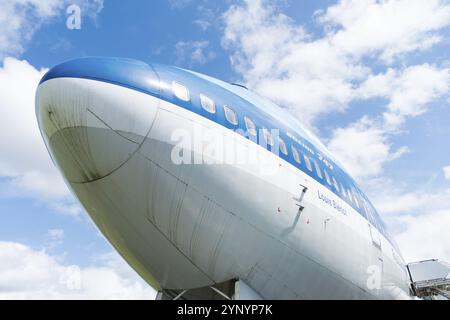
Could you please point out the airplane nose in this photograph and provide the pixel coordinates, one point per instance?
(94, 114)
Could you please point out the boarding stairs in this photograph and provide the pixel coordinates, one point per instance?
(430, 279)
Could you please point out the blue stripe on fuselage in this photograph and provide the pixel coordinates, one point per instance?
(156, 80)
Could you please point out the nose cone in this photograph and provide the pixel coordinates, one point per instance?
(94, 114)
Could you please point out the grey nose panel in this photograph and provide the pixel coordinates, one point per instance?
(91, 127)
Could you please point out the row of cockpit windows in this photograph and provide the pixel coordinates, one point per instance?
(354, 197)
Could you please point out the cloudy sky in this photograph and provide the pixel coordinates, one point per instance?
(370, 78)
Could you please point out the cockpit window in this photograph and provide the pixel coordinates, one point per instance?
(180, 91)
(207, 103)
(230, 114)
(283, 147)
(296, 155)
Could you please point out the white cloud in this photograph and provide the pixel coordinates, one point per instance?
(313, 76)
(25, 162)
(426, 236)
(420, 218)
(409, 91)
(54, 238)
(20, 19)
(207, 17)
(395, 198)
(275, 58)
(89, 8)
(316, 76)
(30, 274)
(56, 234)
(195, 52)
(202, 24)
(363, 148)
(446, 172)
(404, 203)
(385, 28)
(179, 4)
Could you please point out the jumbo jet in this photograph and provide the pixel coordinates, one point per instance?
(210, 191)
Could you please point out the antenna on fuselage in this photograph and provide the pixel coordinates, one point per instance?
(239, 85)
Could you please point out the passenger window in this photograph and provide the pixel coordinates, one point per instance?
(230, 114)
(355, 197)
(296, 155)
(250, 125)
(371, 216)
(343, 191)
(268, 137)
(365, 207)
(319, 172)
(327, 177)
(180, 91)
(283, 147)
(335, 184)
(308, 163)
(207, 103)
(350, 196)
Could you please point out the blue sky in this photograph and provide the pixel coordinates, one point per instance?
(370, 78)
